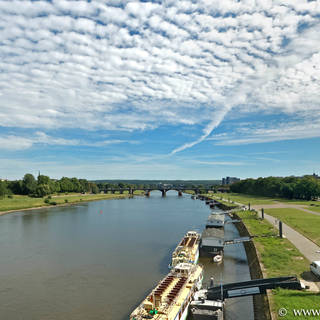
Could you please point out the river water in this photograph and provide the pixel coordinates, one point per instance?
(98, 260)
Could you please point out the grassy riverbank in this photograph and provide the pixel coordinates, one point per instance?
(314, 208)
(245, 198)
(278, 258)
(18, 202)
(305, 223)
(257, 200)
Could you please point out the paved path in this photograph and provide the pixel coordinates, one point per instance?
(308, 248)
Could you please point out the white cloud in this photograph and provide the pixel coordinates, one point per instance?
(262, 133)
(15, 143)
(79, 64)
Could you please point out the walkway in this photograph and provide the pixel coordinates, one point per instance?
(308, 248)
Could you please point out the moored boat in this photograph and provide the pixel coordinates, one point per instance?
(218, 258)
(171, 297)
(187, 250)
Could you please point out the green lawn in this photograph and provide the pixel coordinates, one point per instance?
(256, 200)
(245, 198)
(306, 223)
(279, 258)
(24, 202)
(314, 208)
(291, 300)
(300, 202)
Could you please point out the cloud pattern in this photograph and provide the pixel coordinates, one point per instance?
(137, 65)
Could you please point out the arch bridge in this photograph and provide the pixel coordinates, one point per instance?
(163, 190)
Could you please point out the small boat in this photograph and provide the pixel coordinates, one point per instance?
(217, 258)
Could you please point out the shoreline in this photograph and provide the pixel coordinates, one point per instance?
(2, 213)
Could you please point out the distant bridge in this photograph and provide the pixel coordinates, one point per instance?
(163, 190)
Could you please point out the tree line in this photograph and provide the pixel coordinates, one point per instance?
(43, 186)
(306, 187)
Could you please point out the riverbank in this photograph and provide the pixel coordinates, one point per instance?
(278, 257)
(304, 217)
(18, 203)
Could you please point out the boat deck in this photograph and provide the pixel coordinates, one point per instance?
(172, 295)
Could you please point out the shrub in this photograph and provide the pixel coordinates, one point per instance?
(46, 200)
(10, 196)
(66, 200)
(53, 203)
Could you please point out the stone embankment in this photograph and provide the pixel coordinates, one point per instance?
(260, 302)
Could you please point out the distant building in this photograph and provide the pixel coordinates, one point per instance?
(229, 180)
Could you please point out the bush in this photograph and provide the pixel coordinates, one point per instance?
(10, 196)
(66, 200)
(53, 203)
(46, 200)
(49, 197)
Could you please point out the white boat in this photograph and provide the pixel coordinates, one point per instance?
(217, 259)
(187, 250)
(171, 298)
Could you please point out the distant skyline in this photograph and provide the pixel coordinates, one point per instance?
(159, 89)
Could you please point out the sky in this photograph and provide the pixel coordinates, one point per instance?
(121, 89)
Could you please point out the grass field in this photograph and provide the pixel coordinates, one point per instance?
(245, 198)
(314, 208)
(299, 202)
(279, 257)
(291, 300)
(257, 200)
(24, 202)
(306, 223)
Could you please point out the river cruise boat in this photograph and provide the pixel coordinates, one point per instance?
(187, 250)
(171, 297)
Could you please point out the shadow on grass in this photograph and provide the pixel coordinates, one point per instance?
(309, 276)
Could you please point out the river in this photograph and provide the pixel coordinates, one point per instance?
(98, 260)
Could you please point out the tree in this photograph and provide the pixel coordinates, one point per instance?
(42, 190)
(66, 185)
(94, 188)
(3, 189)
(29, 184)
(16, 187)
(43, 179)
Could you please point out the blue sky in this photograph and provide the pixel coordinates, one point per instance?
(159, 89)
